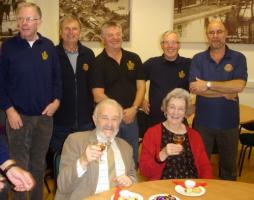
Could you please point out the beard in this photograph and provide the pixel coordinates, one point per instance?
(102, 132)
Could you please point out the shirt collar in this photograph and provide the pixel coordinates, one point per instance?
(226, 55)
(20, 39)
(177, 60)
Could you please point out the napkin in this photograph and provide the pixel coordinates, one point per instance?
(183, 184)
(117, 193)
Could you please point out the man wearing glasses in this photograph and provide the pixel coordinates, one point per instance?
(217, 75)
(30, 89)
(165, 73)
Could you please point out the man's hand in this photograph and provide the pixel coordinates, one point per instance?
(14, 118)
(51, 108)
(92, 153)
(124, 181)
(1, 183)
(146, 106)
(231, 97)
(129, 114)
(21, 179)
(198, 86)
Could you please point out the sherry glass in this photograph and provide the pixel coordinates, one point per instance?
(178, 138)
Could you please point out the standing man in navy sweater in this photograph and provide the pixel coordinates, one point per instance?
(76, 109)
(30, 91)
(165, 73)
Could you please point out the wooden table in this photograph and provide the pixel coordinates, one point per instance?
(246, 115)
(215, 189)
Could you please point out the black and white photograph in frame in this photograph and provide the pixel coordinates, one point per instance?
(93, 13)
(8, 25)
(191, 17)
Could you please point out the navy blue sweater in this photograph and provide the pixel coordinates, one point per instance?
(29, 76)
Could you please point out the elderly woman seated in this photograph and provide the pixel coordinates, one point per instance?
(171, 149)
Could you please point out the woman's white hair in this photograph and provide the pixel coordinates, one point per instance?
(178, 93)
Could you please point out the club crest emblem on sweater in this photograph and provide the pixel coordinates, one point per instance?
(85, 67)
(228, 67)
(130, 65)
(181, 74)
(44, 55)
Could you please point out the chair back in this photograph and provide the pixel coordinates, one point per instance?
(56, 163)
(248, 126)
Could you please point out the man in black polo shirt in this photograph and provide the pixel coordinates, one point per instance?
(118, 74)
(165, 73)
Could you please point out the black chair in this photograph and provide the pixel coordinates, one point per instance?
(143, 124)
(47, 176)
(56, 163)
(49, 169)
(247, 141)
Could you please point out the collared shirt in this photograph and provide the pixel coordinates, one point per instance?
(103, 182)
(218, 113)
(165, 76)
(118, 81)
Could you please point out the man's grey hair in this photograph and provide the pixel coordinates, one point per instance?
(29, 4)
(110, 102)
(109, 24)
(69, 18)
(169, 32)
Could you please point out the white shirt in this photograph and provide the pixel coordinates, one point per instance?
(103, 182)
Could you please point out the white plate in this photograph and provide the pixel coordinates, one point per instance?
(126, 193)
(181, 190)
(156, 195)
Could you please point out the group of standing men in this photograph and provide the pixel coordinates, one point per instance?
(35, 77)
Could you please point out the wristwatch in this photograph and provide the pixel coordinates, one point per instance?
(208, 84)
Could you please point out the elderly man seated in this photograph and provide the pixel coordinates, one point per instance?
(86, 167)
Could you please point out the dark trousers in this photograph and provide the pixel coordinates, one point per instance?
(28, 147)
(130, 133)
(227, 146)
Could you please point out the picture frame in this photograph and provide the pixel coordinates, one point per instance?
(191, 18)
(93, 13)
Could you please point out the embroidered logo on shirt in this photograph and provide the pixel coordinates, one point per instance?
(228, 67)
(44, 55)
(85, 67)
(181, 74)
(130, 65)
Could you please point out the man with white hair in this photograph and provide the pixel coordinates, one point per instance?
(86, 167)
(165, 73)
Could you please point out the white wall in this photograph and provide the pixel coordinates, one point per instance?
(149, 19)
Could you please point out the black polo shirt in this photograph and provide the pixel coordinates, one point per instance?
(118, 81)
(164, 76)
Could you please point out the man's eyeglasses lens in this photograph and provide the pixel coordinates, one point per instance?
(215, 32)
(26, 19)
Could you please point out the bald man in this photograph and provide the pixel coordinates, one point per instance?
(217, 75)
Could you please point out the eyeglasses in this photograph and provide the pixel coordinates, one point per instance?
(26, 19)
(173, 43)
(218, 32)
(107, 119)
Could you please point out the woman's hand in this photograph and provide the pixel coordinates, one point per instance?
(174, 149)
(170, 149)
